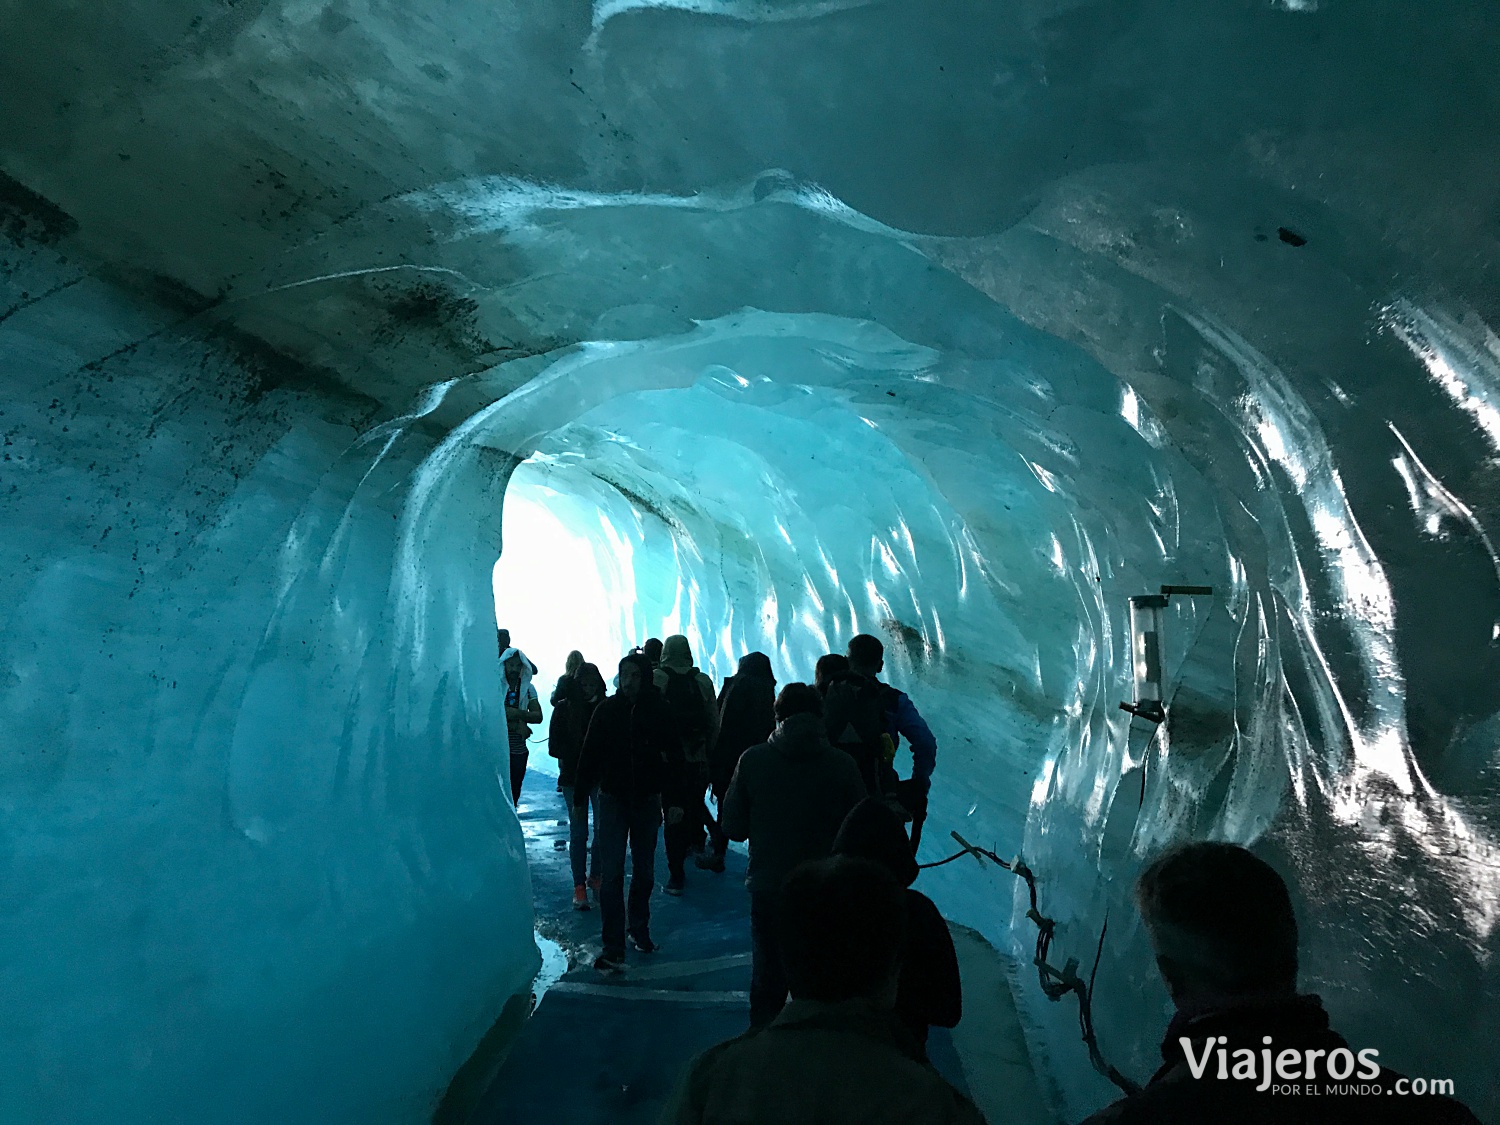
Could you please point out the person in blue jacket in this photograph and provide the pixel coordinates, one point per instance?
(902, 720)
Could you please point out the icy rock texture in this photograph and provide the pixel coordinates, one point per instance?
(259, 861)
(960, 325)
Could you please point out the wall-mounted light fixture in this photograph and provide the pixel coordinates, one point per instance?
(1145, 648)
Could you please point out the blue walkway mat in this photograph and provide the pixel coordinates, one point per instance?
(610, 1048)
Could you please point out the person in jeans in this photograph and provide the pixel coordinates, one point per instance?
(788, 797)
(573, 705)
(522, 708)
(624, 753)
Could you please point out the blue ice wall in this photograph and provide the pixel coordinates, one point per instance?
(960, 323)
(232, 890)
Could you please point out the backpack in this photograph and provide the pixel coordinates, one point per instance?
(685, 704)
(854, 713)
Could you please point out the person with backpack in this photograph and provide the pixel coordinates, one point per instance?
(689, 697)
(573, 706)
(867, 719)
(747, 716)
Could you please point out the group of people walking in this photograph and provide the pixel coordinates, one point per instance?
(807, 776)
(801, 774)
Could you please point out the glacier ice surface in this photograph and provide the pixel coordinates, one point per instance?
(765, 322)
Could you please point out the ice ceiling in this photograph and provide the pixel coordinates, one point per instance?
(956, 322)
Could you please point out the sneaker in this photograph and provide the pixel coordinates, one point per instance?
(580, 898)
(674, 885)
(594, 883)
(610, 962)
(643, 942)
(710, 861)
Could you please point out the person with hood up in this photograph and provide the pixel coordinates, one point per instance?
(582, 690)
(570, 669)
(747, 716)
(502, 638)
(929, 993)
(623, 757)
(522, 708)
(788, 797)
(689, 696)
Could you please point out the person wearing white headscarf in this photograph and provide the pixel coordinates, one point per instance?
(522, 708)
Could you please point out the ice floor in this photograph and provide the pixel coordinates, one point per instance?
(609, 1049)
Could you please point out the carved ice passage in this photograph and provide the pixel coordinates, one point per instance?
(765, 322)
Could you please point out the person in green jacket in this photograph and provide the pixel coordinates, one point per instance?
(837, 1054)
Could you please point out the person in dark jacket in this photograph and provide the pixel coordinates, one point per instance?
(788, 797)
(1221, 924)
(747, 716)
(565, 681)
(689, 695)
(624, 754)
(582, 692)
(836, 1055)
(902, 719)
(929, 994)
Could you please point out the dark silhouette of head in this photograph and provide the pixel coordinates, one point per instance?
(798, 699)
(756, 665)
(1221, 923)
(843, 926)
(873, 831)
(652, 651)
(635, 675)
(866, 655)
(589, 681)
(829, 668)
(502, 636)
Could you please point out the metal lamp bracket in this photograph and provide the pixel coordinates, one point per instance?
(1146, 619)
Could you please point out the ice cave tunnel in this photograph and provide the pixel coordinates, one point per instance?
(765, 321)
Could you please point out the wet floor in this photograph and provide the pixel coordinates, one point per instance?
(610, 1048)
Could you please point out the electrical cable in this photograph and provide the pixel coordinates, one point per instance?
(1056, 983)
